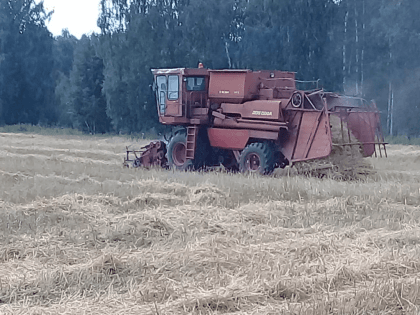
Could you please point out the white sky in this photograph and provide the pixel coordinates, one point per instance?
(78, 16)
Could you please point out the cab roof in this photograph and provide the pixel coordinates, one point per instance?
(183, 71)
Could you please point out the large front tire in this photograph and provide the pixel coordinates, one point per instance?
(177, 148)
(257, 157)
(176, 153)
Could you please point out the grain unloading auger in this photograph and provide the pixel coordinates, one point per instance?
(253, 121)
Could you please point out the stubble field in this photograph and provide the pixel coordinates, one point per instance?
(81, 235)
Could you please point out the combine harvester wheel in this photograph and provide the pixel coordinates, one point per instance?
(257, 157)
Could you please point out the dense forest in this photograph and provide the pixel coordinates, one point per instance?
(101, 82)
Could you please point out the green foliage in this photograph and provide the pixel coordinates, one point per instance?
(403, 64)
(405, 140)
(63, 48)
(287, 35)
(129, 55)
(366, 48)
(26, 59)
(81, 92)
(87, 102)
(210, 33)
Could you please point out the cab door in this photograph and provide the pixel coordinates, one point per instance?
(195, 94)
(173, 98)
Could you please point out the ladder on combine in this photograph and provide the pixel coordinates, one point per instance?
(192, 133)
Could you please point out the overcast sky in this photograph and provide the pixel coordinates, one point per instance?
(78, 16)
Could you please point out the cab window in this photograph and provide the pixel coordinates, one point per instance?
(161, 92)
(195, 84)
(173, 87)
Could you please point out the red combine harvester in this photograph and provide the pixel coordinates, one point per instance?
(251, 121)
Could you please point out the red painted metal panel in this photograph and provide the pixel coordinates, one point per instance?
(259, 134)
(248, 124)
(309, 137)
(313, 141)
(277, 79)
(237, 86)
(289, 143)
(259, 109)
(321, 143)
(363, 126)
(173, 108)
(234, 139)
(232, 86)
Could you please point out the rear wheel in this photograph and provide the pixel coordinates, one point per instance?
(257, 157)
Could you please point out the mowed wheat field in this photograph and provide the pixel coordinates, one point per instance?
(82, 235)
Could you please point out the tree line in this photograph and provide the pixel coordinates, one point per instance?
(101, 82)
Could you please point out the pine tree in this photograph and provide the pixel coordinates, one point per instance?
(85, 97)
(26, 84)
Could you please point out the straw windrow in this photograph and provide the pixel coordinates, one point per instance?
(94, 238)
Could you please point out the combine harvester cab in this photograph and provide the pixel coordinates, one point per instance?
(252, 121)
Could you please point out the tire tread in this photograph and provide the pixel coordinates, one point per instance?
(265, 151)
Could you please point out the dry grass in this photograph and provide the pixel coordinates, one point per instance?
(82, 235)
